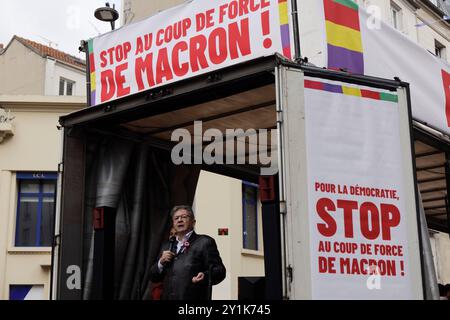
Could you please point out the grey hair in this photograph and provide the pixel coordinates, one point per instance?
(187, 208)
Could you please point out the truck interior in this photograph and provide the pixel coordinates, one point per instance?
(122, 182)
(433, 173)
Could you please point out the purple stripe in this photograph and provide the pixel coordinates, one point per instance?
(285, 39)
(332, 88)
(92, 98)
(341, 58)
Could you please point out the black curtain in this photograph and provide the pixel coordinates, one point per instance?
(142, 184)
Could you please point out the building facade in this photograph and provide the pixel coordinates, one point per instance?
(38, 84)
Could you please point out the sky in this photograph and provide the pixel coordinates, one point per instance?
(60, 24)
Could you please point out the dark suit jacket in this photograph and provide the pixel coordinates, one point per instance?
(201, 256)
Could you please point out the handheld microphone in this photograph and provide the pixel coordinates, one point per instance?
(173, 244)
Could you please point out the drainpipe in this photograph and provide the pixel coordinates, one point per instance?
(297, 51)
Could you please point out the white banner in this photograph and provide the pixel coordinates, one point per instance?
(338, 34)
(363, 232)
(185, 41)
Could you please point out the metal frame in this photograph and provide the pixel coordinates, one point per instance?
(442, 146)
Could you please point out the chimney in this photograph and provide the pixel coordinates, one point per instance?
(1, 47)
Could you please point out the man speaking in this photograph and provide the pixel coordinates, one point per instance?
(189, 263)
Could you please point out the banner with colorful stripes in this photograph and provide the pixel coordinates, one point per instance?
(340, 35)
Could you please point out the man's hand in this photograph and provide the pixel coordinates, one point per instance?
(198, 277)
(166, 257)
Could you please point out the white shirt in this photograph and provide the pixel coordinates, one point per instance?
(179, 247)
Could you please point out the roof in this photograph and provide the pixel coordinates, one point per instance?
(46, 51)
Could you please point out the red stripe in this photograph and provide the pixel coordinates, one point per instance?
(287, 52)
(314, 85)
(342, 15)
(370, 94)
(281, 1)
(91, 63)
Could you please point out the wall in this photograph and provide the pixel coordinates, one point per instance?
(15, 63)
(35, 146)
(55, 70)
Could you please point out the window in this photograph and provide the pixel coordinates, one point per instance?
(439, 49)
(250, 216)
(66, 87)
(35, 209)
(396, 16)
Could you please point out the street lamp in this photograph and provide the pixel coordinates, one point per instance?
(107, 14)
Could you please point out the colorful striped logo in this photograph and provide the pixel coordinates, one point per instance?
(345, 49)
(284, 28)
(92, 71)
(351, 91)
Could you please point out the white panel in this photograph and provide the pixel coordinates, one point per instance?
(36, 293)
